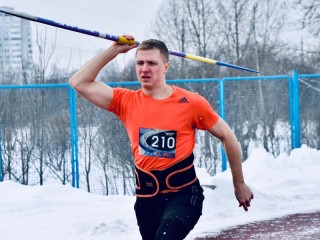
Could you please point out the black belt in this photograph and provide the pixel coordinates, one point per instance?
(171, 179)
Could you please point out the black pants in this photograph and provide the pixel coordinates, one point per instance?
(169, 216)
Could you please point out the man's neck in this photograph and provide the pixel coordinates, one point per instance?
(162, 92)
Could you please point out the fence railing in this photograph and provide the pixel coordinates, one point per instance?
(34, 140)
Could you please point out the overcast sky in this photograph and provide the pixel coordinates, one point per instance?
(114, 17)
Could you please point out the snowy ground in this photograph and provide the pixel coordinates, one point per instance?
(282, 185)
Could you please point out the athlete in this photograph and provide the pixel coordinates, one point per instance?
(161, 121)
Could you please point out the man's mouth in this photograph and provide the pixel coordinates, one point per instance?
(144, 77)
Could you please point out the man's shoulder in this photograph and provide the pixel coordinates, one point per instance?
(186, 94)
(193, 98)
(122, 98)
(125, 91)
(184, 91)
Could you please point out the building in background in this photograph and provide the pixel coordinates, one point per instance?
(15, 49)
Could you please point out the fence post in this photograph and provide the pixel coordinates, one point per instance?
(74, 138)
(1, 177)
(222, 115)
(294, 110)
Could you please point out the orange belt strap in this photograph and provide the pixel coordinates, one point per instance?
(171, 179)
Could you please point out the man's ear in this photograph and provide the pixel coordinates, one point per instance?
(166, 67)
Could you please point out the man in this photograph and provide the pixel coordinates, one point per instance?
(161, 121)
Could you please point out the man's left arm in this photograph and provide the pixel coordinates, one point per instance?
(222, 131)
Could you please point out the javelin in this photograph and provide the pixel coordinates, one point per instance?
(119, 39)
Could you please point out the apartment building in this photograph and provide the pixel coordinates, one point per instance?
(15, 49)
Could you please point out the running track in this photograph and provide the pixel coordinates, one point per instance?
(293, 227)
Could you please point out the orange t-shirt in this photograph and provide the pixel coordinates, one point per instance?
(162, 132)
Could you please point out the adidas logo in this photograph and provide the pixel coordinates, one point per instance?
(183, 100)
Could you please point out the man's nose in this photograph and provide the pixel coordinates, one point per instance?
(145, 67)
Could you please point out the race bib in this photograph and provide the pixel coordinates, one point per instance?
(157, 143)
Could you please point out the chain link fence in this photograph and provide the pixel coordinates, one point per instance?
(48, 134)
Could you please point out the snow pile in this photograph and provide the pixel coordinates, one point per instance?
(282, 185)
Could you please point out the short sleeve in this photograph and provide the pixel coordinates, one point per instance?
(119, 100)
(205, 117)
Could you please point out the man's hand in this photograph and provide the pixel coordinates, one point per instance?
(244, 196)
(123, 48)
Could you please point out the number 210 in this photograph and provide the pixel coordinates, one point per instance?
(163, 142)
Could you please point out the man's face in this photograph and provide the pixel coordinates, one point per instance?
(151, 67)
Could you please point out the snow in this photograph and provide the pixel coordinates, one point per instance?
(282, 186)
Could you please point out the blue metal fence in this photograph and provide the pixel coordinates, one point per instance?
(293, 102)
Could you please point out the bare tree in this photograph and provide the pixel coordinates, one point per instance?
(9, 144)
(41, 68)
(88, 131)
(170, 26)
(23, 133)
(56, 159)
(201, 24)
(311, 18)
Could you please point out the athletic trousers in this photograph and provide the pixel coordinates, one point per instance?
(169, 216)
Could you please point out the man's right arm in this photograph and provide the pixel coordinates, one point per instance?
(84, 80)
